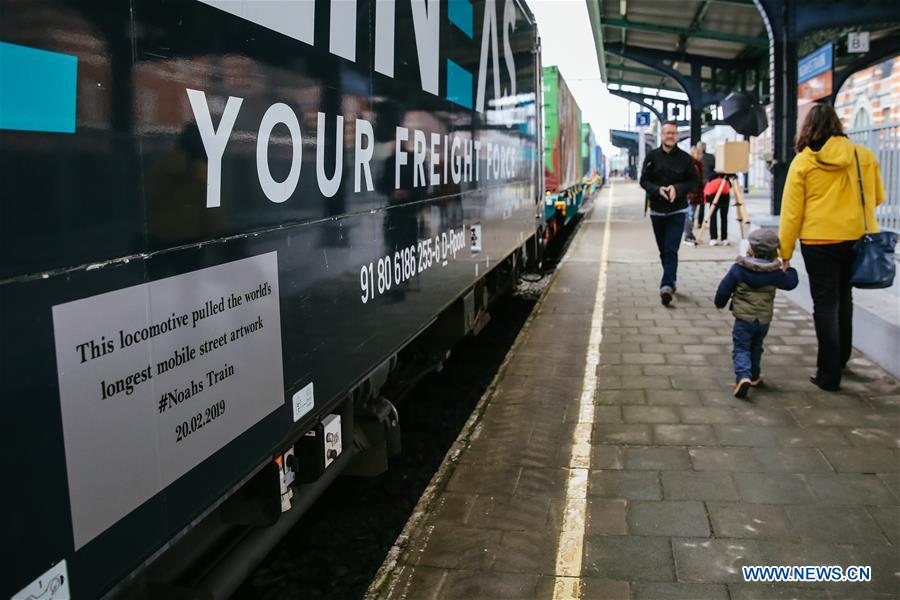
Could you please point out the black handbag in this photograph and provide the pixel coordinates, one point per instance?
(873, 261)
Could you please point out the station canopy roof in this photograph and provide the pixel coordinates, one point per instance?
(729, 35)
(728, 30)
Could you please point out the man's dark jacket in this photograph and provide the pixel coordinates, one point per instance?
(668, 168)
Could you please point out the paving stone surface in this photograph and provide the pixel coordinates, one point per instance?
(628, 558)
(680, 591)
(670, 518)
(752, 521)
(687, 484)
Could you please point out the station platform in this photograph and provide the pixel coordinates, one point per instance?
(609, 459)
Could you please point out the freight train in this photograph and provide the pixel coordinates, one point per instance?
(230, 232)
(572, 159)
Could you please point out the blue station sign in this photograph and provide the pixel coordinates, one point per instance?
(813, 65)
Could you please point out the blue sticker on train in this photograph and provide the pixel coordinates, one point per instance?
(459, 85)
(38, 89)
(461, 14)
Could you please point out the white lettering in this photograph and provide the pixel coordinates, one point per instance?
(293, 19)
(274, 190)
(446, 150)
(419, 159)
(495, 160)
(510, 15)
(435, 178)
(400, 158)
(362, 155)
(467, 161)
(384, 37)
(477, 144)
(456, 169)
(214, 142)
(329, 187)
(488, 36)
(343, 29)
(427, 28)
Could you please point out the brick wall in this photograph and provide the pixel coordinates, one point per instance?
(872, 94)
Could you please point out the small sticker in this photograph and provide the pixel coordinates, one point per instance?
(475, 238)
(304, 401)
(52, 585)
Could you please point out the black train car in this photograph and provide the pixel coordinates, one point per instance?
(222, 225)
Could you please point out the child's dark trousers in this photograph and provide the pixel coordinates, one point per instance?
(748, 348)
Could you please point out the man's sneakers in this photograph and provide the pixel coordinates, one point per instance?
(756, 382)
(665, 294)
(742, 387)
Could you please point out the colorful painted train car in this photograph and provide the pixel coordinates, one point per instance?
(592, 158)
(563, 165)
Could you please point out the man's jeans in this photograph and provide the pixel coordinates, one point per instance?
(689, 224)
(748, 348)
(668, 231)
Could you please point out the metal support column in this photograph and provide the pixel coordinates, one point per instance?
(695, 94)
(696, 122)
(778, 18)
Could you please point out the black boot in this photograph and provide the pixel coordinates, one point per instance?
(828, 387)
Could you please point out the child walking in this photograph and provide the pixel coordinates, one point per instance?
(750, 284)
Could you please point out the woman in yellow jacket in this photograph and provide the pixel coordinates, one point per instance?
(822, 207)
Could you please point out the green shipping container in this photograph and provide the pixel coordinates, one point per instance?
(563, 167)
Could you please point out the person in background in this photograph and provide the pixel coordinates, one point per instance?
(709, 163)
(718, 232)
(822, 206)
(667, 176)
(695, 199)
(750, 284)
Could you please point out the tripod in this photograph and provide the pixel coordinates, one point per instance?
(731, 178)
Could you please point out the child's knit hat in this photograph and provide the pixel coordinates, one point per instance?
(764, 243)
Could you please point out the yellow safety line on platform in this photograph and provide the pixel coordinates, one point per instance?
(571, 539)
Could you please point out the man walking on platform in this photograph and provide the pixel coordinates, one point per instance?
(667, 176)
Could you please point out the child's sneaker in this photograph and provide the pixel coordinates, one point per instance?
(742, 387)
(665, 295)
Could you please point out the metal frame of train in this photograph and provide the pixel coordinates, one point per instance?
(232, 235)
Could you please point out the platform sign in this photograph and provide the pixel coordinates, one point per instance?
(642, 119)
(814, 74)
(858, 42)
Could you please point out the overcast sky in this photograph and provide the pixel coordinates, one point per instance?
(567, 42)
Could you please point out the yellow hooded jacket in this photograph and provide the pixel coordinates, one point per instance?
(821, 201)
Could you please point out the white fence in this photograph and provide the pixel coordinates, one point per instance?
(884, 141)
